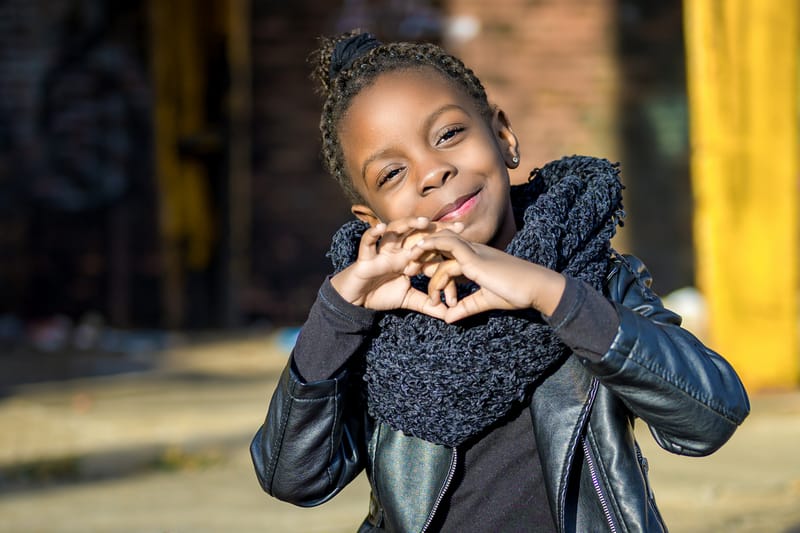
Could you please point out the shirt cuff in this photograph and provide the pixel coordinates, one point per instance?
(584, 320)
(334, 331)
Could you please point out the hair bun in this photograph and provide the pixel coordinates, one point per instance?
(346, 52)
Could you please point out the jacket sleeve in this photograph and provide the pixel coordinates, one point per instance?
(311, 443)
(691, 398)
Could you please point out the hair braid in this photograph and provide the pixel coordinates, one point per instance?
(338, 93)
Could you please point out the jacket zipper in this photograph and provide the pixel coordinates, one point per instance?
(645, 465)
(450, 474)
(597, 486)
(642, 459)
(572, 451)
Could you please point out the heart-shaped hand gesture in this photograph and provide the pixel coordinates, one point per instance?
(505, 281)
(390, 254)
(378, 280)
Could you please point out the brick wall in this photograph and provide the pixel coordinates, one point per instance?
(550, 65)
(598, 77)
(296, 206)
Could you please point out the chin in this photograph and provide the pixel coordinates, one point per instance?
(477, 235)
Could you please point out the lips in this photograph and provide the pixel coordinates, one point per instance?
(456, 209)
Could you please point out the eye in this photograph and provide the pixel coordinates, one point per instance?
(448, 134)
(388, 176)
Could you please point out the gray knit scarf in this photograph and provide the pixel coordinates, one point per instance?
(446, 382)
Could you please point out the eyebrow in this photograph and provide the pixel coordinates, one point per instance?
(425, 127)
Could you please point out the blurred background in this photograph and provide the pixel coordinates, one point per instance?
(164, 219)
(159, 160)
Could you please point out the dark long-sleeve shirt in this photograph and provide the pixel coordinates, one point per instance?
(500, 473)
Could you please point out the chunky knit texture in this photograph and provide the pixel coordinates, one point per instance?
(446, 382)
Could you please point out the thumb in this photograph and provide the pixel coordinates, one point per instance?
(476, 303)
(418, 301)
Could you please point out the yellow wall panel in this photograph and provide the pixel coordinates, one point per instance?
(742, 82)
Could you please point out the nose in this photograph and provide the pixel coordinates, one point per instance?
(434, 174)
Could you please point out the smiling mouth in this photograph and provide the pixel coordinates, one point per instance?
(456, 209)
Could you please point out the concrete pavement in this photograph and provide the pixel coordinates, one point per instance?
(165, 450)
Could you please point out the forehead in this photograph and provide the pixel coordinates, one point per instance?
(396, 104)
(413, 87)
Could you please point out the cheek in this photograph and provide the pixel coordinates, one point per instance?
(398, 206)
(486, 156)
(405, 204)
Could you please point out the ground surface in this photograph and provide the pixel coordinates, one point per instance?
(165, 450)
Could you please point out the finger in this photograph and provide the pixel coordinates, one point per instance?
(477, 302)
(419, 302)
(469, 306)
(424, 229)
(424, 252)
(451, 293)
(448, 244)
(430, 268)
(408, 224)
(456, 313)
(445, 232)
(424, 257)
(413, 268)
(426, 264)
(398, 231)
(444, 275)
(455, 227)
(368, 246)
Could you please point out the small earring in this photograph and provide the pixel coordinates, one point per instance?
(515, 159)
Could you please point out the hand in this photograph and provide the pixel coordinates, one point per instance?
(506, 282)
(378, 279)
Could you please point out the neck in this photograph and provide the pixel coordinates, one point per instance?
(506, 232)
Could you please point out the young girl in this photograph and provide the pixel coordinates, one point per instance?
(480, 349)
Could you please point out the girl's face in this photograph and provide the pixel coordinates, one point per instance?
(415, 145)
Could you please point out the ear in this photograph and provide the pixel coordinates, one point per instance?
(365, 214)
(506, 139)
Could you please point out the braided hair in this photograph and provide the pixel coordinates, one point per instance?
(346, 64)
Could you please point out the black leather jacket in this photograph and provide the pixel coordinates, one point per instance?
(313, 443)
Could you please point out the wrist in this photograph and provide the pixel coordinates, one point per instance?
(549, 294)
(343, 284)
